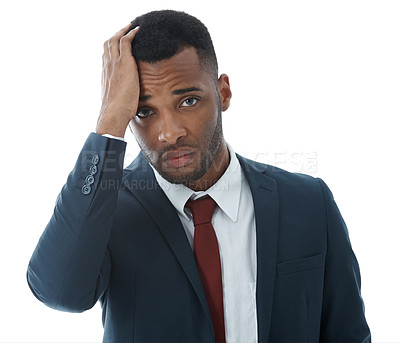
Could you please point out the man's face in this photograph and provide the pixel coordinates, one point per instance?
(178, 125)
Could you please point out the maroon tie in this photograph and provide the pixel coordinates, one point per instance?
(206, 253)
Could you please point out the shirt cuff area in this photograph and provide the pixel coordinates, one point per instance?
(114, 137)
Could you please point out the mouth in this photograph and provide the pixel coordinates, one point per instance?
(179, 158)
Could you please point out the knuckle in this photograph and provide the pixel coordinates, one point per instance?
(114, 38)
(126, 38)
(113, 42)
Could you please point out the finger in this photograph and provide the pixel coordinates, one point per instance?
(125, 29)
(113, 42)
(103, 58)
(126, 41)
(106, 54)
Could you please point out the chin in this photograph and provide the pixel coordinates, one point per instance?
(181, 177)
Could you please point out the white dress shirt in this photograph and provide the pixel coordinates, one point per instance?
(235, 228)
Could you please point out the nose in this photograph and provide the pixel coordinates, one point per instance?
(171, 128)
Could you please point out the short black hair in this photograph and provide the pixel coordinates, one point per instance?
(165, 33)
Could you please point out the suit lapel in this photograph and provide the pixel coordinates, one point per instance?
(266, 206)
(154, 200)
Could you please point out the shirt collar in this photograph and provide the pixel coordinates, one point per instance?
(225, 192)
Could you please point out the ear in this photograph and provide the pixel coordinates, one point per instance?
(224, 91)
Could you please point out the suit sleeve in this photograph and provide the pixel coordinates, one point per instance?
(343, 318)
(70, 267)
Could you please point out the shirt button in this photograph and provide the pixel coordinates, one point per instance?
(92, 169)
(86, 189)
(95, 159)
(89, 179)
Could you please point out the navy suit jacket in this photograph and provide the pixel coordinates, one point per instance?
(115, 237)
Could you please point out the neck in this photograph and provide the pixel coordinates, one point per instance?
(214, 173)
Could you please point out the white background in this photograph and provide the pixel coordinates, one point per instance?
(316, 89)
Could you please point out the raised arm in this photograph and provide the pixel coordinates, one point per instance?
(70, 267)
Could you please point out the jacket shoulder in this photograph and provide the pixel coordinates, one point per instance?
(282, 177)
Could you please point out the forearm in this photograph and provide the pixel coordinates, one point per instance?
(70, 266)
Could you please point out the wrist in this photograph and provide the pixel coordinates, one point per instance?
(111, 127)
(112, 122)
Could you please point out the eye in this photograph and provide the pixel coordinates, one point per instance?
(144, 112)
(189, 102)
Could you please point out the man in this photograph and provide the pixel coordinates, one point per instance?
(269, 261)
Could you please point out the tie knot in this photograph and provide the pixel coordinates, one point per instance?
(202, 209)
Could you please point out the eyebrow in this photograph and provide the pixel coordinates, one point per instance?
(186, 90)
(144, 98)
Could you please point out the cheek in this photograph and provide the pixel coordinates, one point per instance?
(209, 122)
(141, 135)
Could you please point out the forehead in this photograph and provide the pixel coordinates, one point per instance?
(181, 70)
